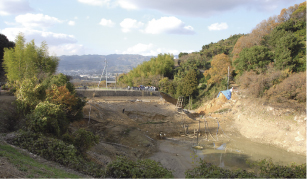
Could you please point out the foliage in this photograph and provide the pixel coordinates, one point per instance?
(257, 85)
(84, 140)
(56, 150)
(188, 84)
(208, 170)
(223, 46)
(32, 168)
(267, 169)
(27, 95)
(4, 43)
(48, 118)
(270, 170)
(159, 66)
(288, 42)
(192, 60)
(255, 58)
(61, 96)
(218, 70)
(292, 88)
(51, 107)
(26, 61)
(167, 86)
(125, 168)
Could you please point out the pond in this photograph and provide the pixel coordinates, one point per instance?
(178, 155)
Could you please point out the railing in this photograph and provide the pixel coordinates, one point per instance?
(116, 88)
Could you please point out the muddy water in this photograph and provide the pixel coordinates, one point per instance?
(178, 155)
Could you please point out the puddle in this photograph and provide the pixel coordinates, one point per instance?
(178, 155)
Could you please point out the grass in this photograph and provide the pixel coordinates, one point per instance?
(32, 168)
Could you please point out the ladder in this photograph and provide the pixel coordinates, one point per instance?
(179, 102)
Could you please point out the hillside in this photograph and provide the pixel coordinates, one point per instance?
(94, 64)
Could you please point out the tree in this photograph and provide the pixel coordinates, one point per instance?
(219, 68)
(4, 43)
(286, 48)
(161, 66)
(26, 61)
(255, 37)
(48, 118)
(255, 58)
(189, 83)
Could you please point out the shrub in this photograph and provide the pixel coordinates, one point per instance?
(58, 151)
(48, 118)
(268, 169)
(84, 139)
(49, 148)
(208, 170)
(256, 85)
(125, 168)
(292, 88)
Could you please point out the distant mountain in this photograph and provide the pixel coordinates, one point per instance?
(94, 64)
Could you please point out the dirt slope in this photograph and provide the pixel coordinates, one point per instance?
(284, 128)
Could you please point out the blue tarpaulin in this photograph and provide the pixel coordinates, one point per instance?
(226, 93)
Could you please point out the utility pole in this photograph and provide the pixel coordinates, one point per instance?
(228, 79)
(105, 68)
(106, 75)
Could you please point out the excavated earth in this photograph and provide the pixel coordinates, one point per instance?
(236, 130)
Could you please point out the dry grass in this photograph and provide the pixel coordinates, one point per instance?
(292, 88)
(277, 88)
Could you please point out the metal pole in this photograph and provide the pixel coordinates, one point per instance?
(106, 76)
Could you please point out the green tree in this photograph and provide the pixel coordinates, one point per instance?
(48, 118)
(287, 48)
(4, 43)
(189, 83)
(26, 60)
(255, 58)
(162, 66)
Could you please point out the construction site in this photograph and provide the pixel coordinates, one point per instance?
(225, 132)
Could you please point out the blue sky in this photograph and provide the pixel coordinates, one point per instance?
(146, 27)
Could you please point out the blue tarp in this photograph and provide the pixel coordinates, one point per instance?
(226, 93)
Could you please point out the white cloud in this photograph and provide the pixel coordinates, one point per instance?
(67, 49)
(36, 20)
(126, 5)
(139, 49)
(96, 2)
(105, 22)
(50, 37)
(75, 17)
(72, 23)
(87, 17)
(147, 50)
(170, 25)
(8, 7)
(199, 8)
(217, 26)
(129, 24)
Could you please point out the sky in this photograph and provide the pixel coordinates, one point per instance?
(145, 27)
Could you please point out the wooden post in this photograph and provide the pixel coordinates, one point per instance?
(198, 125)
(197, 137)
(89, 115)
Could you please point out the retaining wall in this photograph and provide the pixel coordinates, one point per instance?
(94, 93)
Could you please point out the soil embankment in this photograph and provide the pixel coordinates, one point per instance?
(284, 128)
